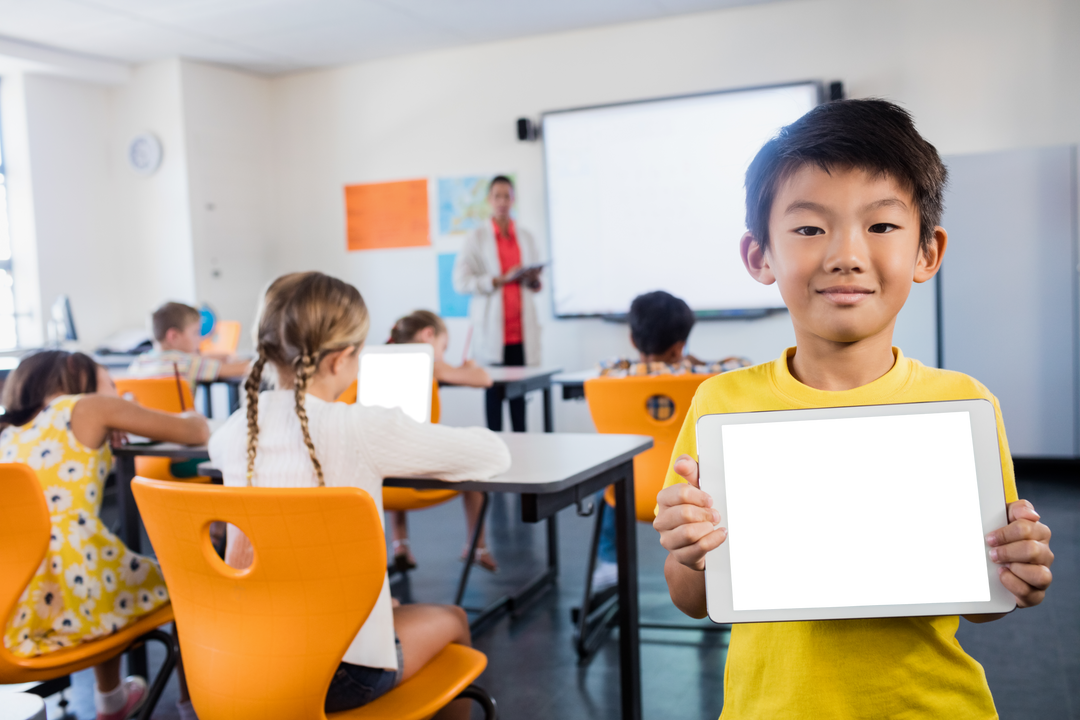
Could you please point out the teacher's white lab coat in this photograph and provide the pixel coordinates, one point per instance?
(475, 271)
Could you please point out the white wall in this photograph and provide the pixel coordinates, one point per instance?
(118, 243)
(152, 213)
(231, 162)
(977, 74)
(79, 252)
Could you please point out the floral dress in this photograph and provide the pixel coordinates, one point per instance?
(89, 583)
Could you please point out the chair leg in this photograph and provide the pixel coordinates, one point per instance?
(593, 623)
(464, 581)
(480, 696)
(164, 672)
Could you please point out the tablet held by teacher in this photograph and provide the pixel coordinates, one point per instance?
(500, 267)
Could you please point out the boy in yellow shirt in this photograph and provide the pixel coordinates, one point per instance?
(842, 210)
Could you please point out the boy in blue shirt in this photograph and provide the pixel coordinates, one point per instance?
(843, 208)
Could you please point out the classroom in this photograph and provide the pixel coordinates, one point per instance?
(583, 360)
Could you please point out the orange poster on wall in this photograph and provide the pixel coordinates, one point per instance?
(387, 215)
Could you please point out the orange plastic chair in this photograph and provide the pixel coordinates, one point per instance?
(265, 641)
(24, 540)
(394, 498)
(158, 394)
(619, 405)
(223, 340)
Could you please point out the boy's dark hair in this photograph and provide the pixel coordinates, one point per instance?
(500, 179)
(172, 315)
(658, 320)
(41, 374)
(872, 135)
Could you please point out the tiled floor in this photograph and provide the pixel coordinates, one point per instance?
(1032, 658)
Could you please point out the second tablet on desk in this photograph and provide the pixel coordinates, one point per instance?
(854, 512)
(397, 376)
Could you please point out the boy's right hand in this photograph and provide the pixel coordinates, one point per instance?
(686, 520)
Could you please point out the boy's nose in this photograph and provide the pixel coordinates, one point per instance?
(847, 252)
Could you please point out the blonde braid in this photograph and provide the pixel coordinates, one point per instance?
(305, 369)
(251, 386)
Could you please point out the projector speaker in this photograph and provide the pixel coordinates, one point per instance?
(527, 130)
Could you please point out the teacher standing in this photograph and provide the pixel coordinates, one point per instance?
(503, 313)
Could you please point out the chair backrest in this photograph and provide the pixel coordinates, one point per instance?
(24, 540)
(621, 405)
(223, 340)
(160, 393)
(265, 641)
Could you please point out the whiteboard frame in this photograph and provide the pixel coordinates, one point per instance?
(401, 350)
(728, 314)
(989, 484)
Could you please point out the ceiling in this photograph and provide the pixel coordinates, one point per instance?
(280, 36)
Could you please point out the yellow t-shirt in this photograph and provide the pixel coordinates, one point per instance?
(845, 669)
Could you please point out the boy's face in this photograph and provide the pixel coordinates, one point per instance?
(843, 250)
(186, 340)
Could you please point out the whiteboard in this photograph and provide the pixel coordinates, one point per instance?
(649, 196)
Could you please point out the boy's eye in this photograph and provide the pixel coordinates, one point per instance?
(809, 230)
(882, 228)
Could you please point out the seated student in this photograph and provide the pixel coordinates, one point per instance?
(843, 208)
(660, 326)
(424, 326)
(310, 330)
(176, 328)
(61, 410)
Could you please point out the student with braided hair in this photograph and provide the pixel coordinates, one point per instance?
(310, 331)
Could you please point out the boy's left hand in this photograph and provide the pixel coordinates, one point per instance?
(1022, 551)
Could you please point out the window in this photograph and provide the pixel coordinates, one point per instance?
(8, 337)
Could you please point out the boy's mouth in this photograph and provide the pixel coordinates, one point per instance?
(846, 294)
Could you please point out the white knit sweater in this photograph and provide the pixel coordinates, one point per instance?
(357, 446)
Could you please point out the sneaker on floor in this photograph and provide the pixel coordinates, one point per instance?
(605, 575)
(135, 692)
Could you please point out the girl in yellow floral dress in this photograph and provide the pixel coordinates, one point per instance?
(61, 409)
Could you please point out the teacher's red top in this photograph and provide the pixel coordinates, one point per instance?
(509, 256)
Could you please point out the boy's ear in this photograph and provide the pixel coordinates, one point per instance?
(755, 260)
(172, 334)
(930, 257)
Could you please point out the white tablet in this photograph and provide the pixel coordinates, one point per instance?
(854, 512)
(397, 376)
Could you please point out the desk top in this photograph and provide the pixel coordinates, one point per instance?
(503, 374)
(175, 450)
(578, 377)
(540, 462)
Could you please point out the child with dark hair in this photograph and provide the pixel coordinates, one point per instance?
(660, 325)
(843, 208)
(61, 409)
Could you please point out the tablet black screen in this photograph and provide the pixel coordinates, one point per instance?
(871, 511)
(392, 380)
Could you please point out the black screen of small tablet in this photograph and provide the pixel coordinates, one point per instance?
(392, 380)
(872, 511)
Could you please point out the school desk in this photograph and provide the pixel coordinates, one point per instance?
(515, 382)
(573, 383)
(130, 523)
(552, 471)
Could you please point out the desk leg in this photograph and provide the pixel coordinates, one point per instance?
(129, 533)
(549, 421)
(553, 544)
(234, 397)
(629, 634)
